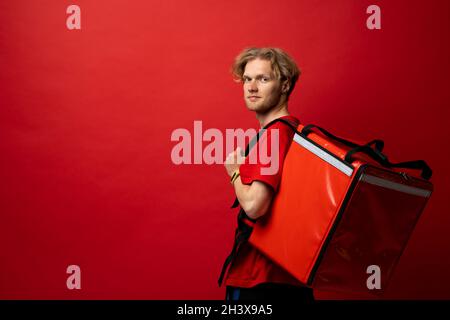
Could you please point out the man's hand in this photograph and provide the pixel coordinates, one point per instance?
(233, 161)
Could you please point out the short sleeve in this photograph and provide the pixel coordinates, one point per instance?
(265, 160)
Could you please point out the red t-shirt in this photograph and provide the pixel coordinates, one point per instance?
(251, 267)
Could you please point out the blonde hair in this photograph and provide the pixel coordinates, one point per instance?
(283, 66)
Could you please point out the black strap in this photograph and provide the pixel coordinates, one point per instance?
(255, 139)
(242, 234)
(379, 144)
(415, 164)
(383, 160)
(375, 153)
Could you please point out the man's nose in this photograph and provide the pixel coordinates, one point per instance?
(252, 87)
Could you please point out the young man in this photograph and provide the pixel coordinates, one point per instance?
(269, 76)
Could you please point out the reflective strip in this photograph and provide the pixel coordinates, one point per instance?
(395, 186)
(323, 155)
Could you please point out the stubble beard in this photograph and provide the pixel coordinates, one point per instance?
(260, 107)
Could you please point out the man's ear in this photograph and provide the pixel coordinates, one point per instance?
(285, 86)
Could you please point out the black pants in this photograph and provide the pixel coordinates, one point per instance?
(270, 292)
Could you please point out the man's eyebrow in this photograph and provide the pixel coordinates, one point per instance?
(257, 76)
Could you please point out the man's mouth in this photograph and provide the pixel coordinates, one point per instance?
(253, 98)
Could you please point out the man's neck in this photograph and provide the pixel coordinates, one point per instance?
(275, 113)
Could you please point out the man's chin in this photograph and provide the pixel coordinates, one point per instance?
(256, 108)
(253, 107)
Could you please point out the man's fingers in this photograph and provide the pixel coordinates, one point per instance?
(234, 157)
(230, 158)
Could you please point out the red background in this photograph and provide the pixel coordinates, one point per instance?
(86, 118)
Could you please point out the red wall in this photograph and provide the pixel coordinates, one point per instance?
(86, 118)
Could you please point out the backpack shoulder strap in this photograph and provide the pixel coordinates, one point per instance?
(255, 140)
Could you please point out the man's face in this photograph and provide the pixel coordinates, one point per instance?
(262, 91)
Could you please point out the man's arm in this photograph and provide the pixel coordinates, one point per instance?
(255, 198)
